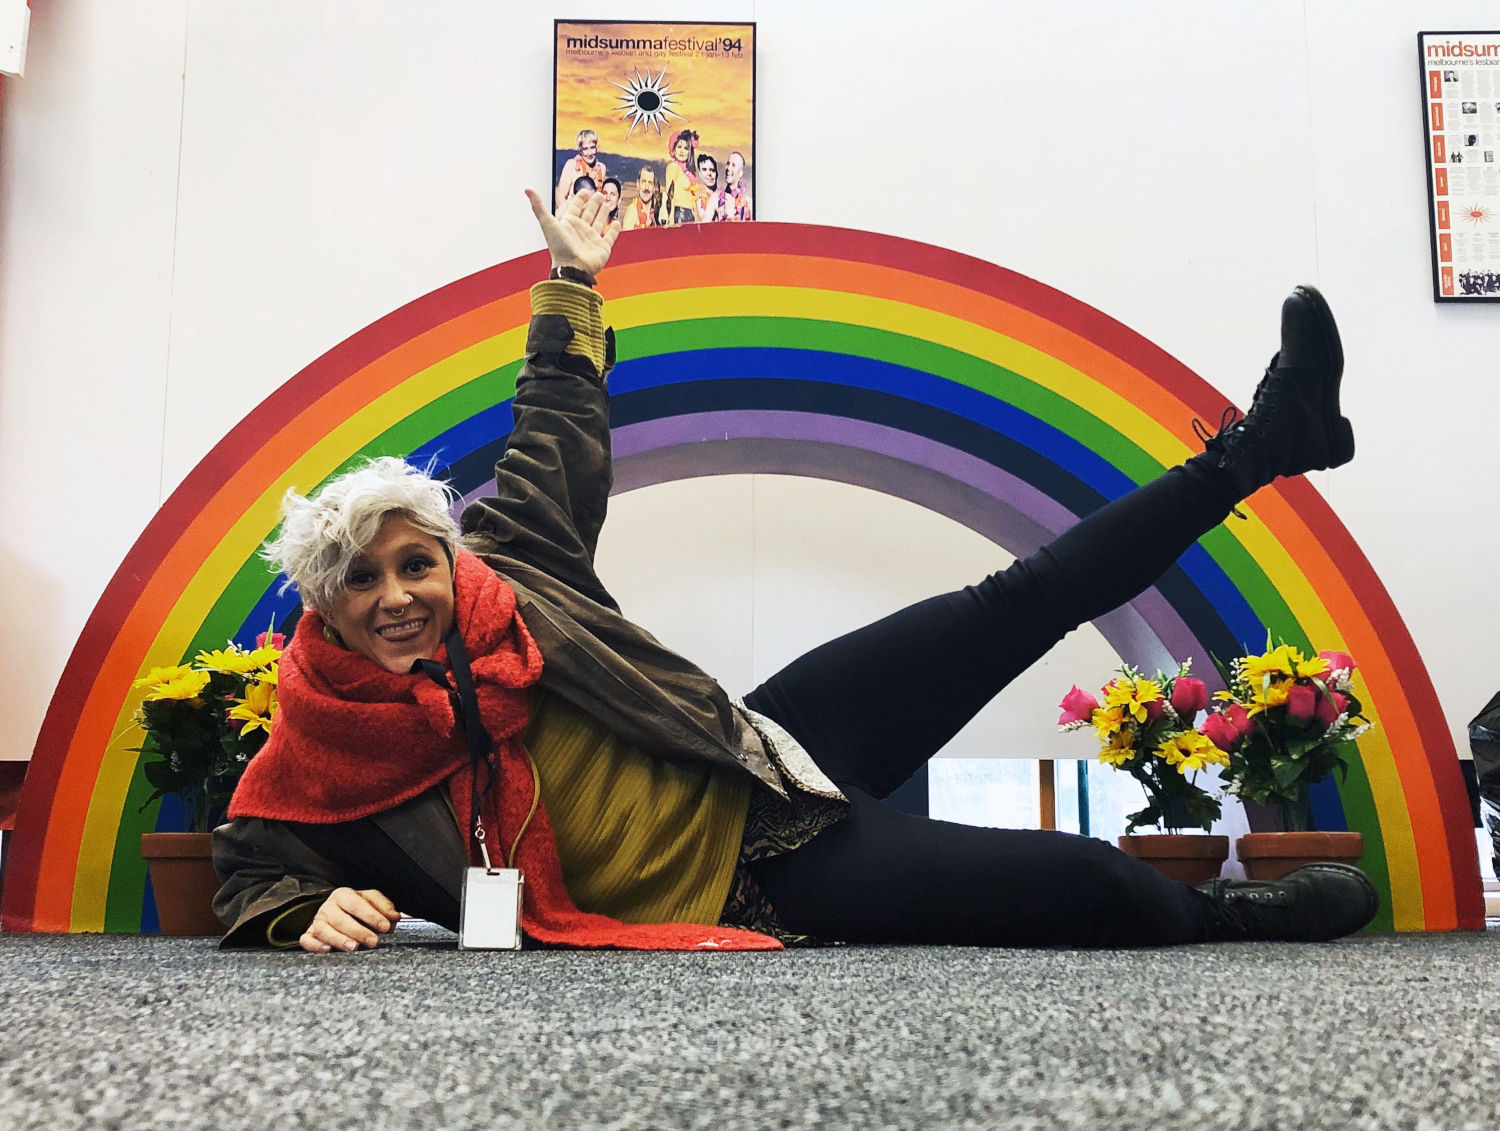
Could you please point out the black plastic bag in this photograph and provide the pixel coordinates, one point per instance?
(1484, 742)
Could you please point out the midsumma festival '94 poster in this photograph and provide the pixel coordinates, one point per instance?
(658, 116)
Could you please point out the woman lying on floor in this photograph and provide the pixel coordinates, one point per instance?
(449, 698)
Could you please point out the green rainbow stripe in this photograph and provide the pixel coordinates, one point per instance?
(822, 340)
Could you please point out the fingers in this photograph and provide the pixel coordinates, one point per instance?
(581, 234)
(538, 209)
(588, 211)
(349, 920)
(382, 903)
(601, 221)
(573, 206)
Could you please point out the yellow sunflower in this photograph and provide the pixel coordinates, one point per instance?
(229, 659)
(256, 709)
(1117, 749)
(188, 685)
(162, 675)
(265, 657)
(1132, 695)
(1191, 750)
(1283, 662)
(1107, 721)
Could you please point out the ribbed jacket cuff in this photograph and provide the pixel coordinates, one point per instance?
(583, 307)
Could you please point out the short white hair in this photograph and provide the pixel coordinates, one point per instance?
(321, 535)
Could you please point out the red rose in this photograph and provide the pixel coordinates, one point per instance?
(1189, 696)
(1077, 707)
(1155, 709)
(1302, 701)
(1243, 723)
(1221, 731)
(1338, 661)
(277, 640)
(1330, 707)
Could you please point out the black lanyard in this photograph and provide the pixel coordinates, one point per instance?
(481, 744)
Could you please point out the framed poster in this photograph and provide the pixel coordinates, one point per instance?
(660, 115)
(1461, 116)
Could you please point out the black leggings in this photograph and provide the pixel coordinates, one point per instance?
(873, 706)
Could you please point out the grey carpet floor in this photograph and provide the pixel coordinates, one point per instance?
(137, 1032)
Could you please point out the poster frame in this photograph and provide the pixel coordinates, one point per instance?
(687, 27)
(1436, 168)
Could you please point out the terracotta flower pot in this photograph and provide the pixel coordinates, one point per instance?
(184, 882)
(1189, 857)
(1269, 856)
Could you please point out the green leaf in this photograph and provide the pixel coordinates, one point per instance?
(1149, 816)
(159, 775)
(1285, 771)
(1203, 808)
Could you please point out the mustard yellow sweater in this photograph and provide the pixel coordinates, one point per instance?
(639, 839)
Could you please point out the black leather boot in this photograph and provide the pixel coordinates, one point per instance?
(1294, 424)
(1314, 903)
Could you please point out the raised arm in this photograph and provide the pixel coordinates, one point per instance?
(552, 484)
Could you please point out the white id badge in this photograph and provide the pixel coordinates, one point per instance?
(489, 916)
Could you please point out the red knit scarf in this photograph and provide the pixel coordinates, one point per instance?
(351, 739)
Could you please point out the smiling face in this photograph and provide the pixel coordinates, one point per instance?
(734, 169)
(396, 606)
(707, 173)
(680, 151)
(645, 187)
(588, 149)
(611, 196)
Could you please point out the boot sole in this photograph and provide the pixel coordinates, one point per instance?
(1341, 441)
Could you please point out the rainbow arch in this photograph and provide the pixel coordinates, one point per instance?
(899, 366)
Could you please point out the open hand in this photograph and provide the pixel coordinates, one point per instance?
(349, 920)
(580, 235)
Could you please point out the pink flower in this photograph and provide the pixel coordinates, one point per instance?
(1240, 717)
(1077, 707)
(1189, 696)
(274, 639)
(1338, 661)
(1155, 709)
(1302, 701)
(1221, 731)
(1331, 707)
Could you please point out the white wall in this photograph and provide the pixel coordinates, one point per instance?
(199, 197)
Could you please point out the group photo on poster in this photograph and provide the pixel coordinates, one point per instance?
(659, 117)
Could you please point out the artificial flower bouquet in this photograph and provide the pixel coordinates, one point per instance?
(204, 721)
(1284, 722)
(1145, 727)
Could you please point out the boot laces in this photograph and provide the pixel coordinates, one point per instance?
(1267, 394)
(1252, 910)
(1214, 441)
(1230, 424)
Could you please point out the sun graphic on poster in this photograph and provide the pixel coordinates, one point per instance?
(647, 100)
(1477, 214)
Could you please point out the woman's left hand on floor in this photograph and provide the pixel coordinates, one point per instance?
(349, 920)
